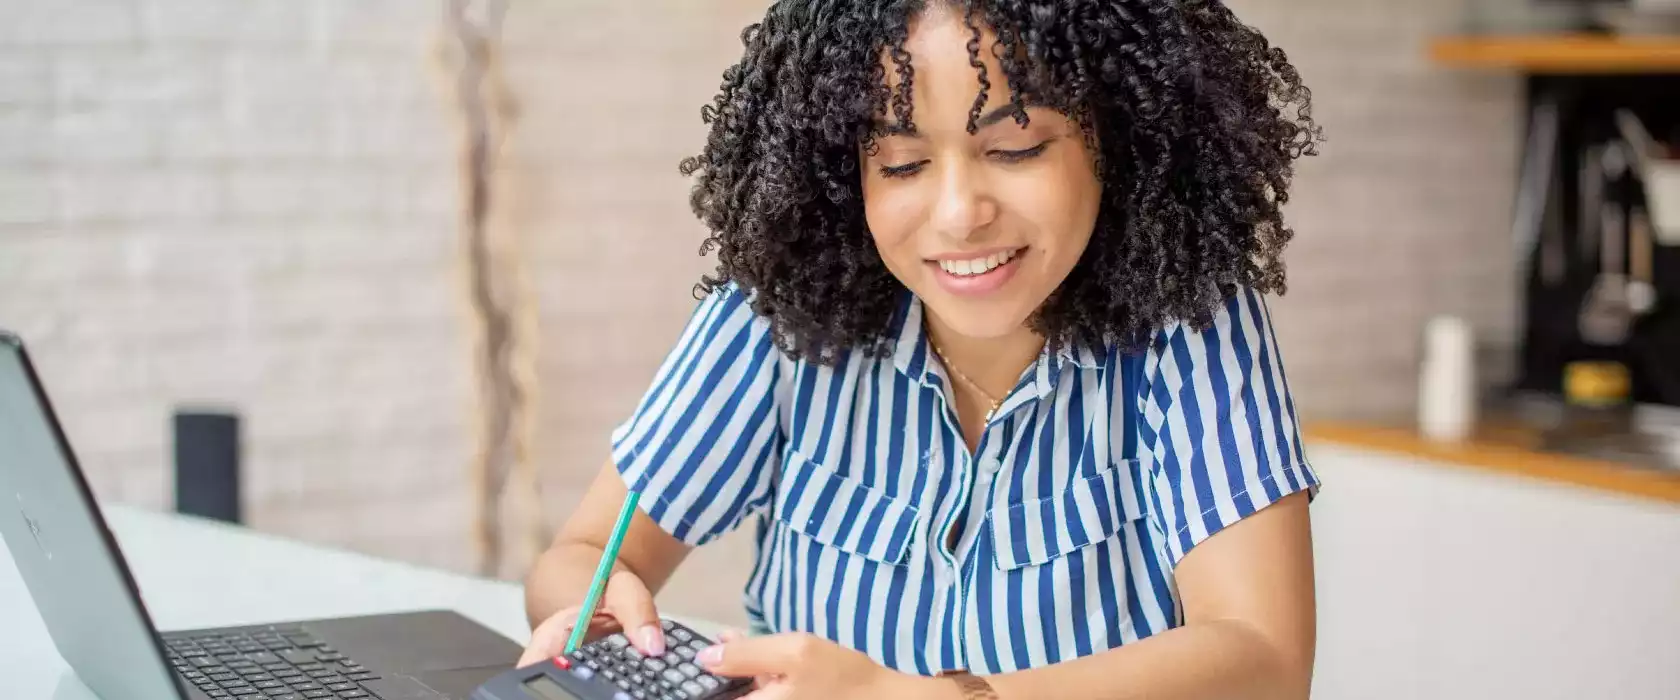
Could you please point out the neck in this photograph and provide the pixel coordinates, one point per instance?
(994, 363)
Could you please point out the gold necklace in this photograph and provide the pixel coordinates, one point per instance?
(971, 383)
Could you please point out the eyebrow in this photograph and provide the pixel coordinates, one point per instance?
(996, 115)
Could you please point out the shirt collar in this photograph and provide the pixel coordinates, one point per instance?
(910, 350)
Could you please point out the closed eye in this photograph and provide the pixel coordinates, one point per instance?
(1020, 155)
(905, 170)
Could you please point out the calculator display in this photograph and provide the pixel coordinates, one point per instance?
(544, 688)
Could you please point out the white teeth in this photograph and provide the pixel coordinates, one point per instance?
(966, 268)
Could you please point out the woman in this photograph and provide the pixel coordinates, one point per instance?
(985, 361)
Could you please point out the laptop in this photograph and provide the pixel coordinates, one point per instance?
(88, 599)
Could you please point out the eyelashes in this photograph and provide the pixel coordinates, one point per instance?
(1016, 156)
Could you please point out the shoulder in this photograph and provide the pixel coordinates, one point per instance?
(1239, 329)
(724, 319)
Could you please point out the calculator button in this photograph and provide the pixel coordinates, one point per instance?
(667, 625)
(616, 641)
(654, 665)
(693, 689)
(639, 694)
(673, 675)
(634, 654)
(681, 635)
(621, 695)
(610, 674)
(689, 670)
(584, 672)
(685, 652)
(710, 682)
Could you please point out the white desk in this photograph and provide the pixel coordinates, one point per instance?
(194, 573)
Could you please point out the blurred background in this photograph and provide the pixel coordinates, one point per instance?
(241, 241)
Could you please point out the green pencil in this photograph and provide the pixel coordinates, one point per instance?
(602, 573)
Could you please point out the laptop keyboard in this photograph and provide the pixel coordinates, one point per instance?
(273, 663)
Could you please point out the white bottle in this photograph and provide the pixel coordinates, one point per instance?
(1447, 381)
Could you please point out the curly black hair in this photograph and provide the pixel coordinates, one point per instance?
(1188, 107)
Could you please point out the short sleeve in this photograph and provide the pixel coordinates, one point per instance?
(701, 446)
(1219, 424)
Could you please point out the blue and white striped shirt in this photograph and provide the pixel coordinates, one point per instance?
(1089, 484)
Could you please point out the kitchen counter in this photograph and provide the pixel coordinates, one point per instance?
(1508, 449)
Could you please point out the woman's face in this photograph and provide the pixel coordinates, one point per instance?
(983, 226)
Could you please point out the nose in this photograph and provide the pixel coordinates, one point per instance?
(964, 206)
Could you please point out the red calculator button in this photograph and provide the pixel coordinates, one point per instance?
(562, 662)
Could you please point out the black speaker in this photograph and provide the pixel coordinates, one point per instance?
(207, 465)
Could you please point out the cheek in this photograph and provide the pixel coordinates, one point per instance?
(893, 215)
(1063, 209)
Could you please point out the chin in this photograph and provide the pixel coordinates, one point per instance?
(977, 320)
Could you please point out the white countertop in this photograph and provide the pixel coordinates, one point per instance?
(198, 573)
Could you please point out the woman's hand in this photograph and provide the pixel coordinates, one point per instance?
(805, 667)
(626, 605)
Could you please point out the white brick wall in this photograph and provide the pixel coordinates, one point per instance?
(254, 204)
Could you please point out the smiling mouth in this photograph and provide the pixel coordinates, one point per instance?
(976, 267)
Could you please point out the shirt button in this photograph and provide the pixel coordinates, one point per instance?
(990, 465)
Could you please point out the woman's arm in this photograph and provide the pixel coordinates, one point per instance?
(1249, 627)
(561, 575)
(1248, 633)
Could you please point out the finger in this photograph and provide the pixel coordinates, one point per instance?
(776, 691)
(542, 638)
(549, 638)
(629, 601)
(770, 655)
(730, 635)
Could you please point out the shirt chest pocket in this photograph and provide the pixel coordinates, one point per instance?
(1092, 509)
(844, 513)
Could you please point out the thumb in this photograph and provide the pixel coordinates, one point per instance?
(782, 655)
(629, 602)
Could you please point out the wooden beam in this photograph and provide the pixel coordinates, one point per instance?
(1560, 54)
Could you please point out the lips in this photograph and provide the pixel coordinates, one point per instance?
(978, 266)
(977, 276)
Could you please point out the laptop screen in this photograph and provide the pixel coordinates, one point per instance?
(60, 546)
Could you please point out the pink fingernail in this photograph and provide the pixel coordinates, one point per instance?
(710, 656)
(652, 640)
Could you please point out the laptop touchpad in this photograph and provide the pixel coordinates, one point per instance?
(459, 683)
(419, 642)
(404, 688)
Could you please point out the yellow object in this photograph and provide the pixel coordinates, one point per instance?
(1596, 383)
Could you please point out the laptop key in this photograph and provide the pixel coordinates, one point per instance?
(306, 685)
(237, 692)
(296, 656)
(363, 676)
(357, 693)
(346, 685)
(317, 693)
(285, 696)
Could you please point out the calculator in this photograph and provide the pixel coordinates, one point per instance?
(611, 668)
